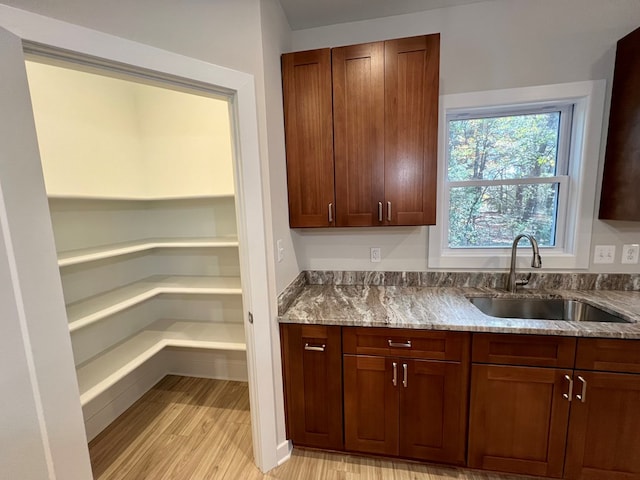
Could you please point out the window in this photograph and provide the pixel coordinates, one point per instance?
(517, 161)
(506, 174)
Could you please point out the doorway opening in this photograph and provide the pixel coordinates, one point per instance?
(141, 178)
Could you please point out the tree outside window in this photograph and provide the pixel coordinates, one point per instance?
(503, 177)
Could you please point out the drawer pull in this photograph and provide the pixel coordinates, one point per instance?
(393, 344)
(314, 348)
(568, 395)
(394, 380)
(582, 396)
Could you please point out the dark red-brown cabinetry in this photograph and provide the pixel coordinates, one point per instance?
(361, 127)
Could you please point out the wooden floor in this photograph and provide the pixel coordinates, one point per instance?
(198, 429)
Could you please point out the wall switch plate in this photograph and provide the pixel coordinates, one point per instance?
(630, 253)
(280, 250)
(604, 254)
(375, 254)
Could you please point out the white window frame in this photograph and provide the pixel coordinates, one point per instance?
(577, 173)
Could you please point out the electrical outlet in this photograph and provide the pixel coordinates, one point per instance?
(375, 254)
(604, 254)
(280, 249)
(630, 253)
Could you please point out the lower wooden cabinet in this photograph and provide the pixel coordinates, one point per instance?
(604, 430)
(538, 405)
(405, 407)
(312, 367)
(518, 419)
(406, 392)
(580, 424)
(433, 411)
(371, 404)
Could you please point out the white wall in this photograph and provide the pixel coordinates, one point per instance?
(484, 46)
(87, 132)
(275, 40)
(222, 32)
(109, 137)
(186, 143)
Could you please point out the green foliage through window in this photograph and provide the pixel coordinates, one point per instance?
(502, 179)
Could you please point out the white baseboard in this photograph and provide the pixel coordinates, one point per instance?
(189, 362)
(105, 408)
(216, 364)
(284, 452)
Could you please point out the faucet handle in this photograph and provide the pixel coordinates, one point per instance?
(524, 281)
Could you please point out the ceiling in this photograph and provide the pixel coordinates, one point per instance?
(314, 13)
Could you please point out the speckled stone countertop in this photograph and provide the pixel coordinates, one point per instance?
(448, 308)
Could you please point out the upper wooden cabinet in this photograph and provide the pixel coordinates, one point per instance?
(308, 125)
(384, 132)
(358, 124)
(619, 199)
(412, 72)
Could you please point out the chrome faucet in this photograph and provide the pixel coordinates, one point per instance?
(511, 284)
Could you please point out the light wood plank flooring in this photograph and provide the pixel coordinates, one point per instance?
(199, 429)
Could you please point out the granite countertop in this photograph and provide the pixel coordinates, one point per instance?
(447, 308)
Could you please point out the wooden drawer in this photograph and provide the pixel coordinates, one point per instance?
(527, 350)
(608, 355)
(395, 342)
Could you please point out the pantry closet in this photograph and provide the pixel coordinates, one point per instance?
(140, 181)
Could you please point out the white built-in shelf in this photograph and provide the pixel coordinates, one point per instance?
(73, 257)
(93, 309)
(73, 196)
(101, 372)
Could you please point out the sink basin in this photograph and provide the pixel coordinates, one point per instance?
(543, 309)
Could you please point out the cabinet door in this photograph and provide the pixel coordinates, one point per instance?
(306, 83)
(411, 129)
(620, 199)
(371, 404)
(358, 116)
(433, 410)
(604, 431)
(312, 357)
(518, 419)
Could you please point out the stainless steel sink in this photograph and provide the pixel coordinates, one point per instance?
(543, 309)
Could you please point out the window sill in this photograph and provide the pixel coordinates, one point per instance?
(501, 259)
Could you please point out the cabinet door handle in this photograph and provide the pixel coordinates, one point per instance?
(393, 344)
(314, 348)
(379, 211)
(404, 375)
(395, 374)
(582, 396)
(389, 211)
(568, 395)
(331, 213)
